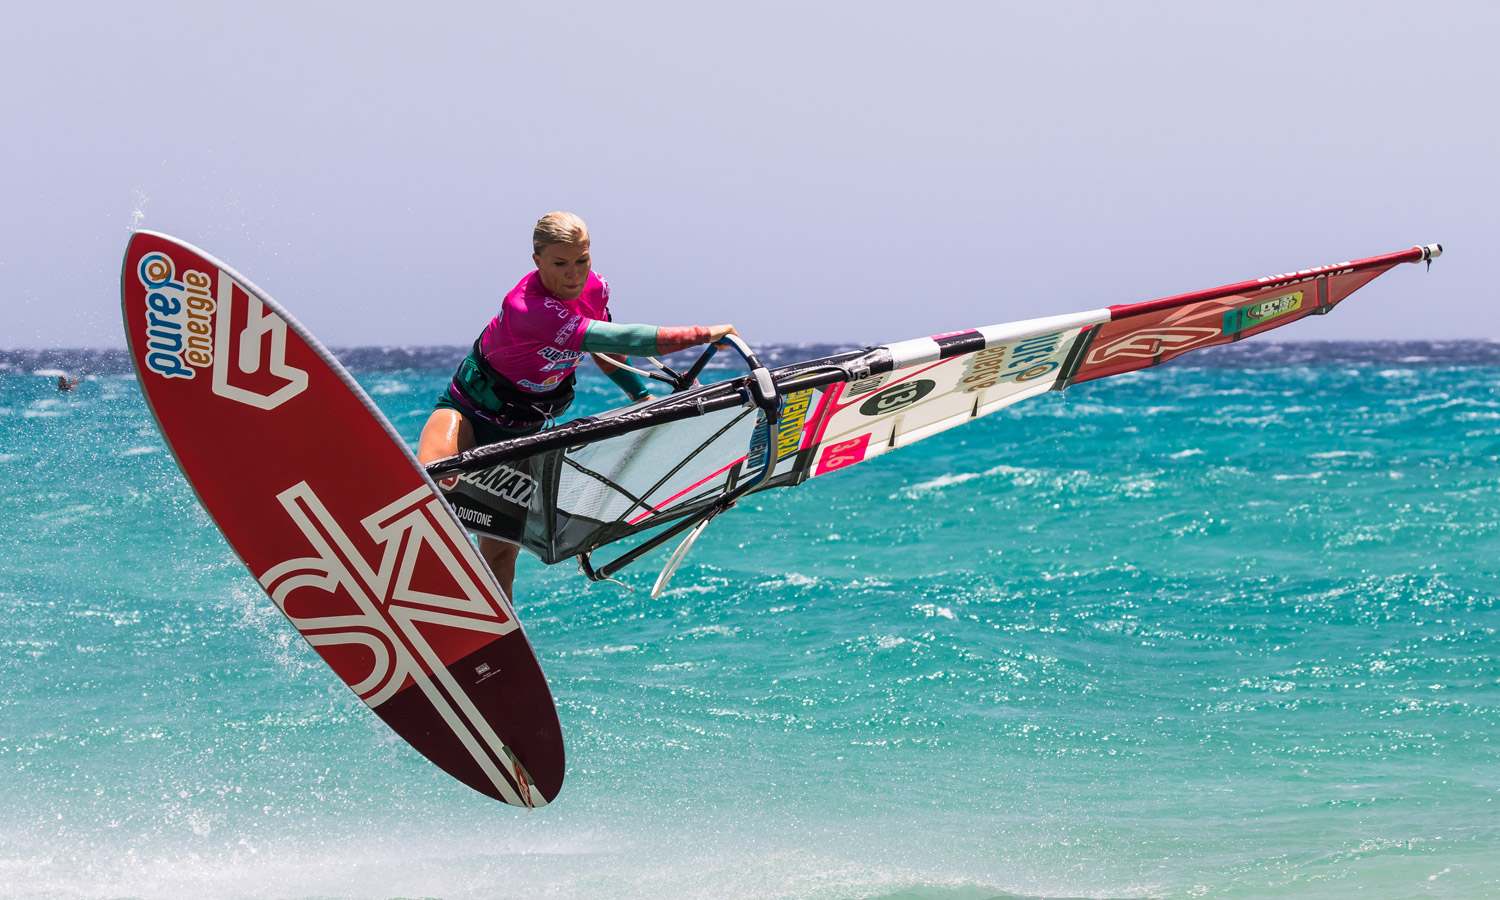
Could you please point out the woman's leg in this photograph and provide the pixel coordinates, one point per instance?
(502, 559)
(445, 434)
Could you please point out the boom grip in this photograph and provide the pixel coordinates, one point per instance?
(691, 375)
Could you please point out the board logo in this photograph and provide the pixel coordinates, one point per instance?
(897, 397)
(179, 317)
(250, 351)
(397, 618)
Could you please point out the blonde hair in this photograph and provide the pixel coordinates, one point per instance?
(558, 228)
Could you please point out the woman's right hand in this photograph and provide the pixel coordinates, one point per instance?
(716, 333)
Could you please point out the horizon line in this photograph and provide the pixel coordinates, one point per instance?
(121, 348)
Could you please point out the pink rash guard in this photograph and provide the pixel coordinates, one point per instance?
(536, 339)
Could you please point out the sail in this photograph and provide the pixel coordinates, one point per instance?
(570, 490)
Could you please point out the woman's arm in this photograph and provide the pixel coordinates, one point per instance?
(626, 380)
(607, 339)
(648, 340)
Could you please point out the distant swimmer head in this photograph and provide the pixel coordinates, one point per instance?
(561, 245)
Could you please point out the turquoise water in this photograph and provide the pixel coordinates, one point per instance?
(1220, 631)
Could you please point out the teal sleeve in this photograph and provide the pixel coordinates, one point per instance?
(628, 381)
(610, 337)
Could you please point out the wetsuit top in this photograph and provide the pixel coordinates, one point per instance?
(520, 372)
(536, 340)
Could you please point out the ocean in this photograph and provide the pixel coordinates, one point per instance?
(1224, 628)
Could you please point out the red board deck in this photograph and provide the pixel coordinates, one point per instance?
(335, 519)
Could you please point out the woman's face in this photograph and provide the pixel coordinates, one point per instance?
(564, 268)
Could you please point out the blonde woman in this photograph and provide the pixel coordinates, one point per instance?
(520, 374)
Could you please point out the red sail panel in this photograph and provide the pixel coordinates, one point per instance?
(1146, 334)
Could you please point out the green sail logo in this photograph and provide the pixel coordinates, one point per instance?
(1237, 320)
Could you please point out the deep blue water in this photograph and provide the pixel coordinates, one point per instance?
(1223, 629)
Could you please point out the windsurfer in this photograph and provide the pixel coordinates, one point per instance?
(519, 376)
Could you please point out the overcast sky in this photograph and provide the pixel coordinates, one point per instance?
(862, 172)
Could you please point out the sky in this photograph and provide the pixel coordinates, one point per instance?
(820, 172)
